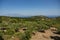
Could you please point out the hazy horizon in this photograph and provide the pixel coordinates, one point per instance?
(29, 7)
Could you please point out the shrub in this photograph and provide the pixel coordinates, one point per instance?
(27, 36)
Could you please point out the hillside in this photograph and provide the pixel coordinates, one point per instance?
(18, 28)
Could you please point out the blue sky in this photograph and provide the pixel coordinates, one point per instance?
(29, 7)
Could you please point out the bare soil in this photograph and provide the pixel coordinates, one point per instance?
(45, 36)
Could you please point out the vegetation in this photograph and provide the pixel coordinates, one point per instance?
(24, 27)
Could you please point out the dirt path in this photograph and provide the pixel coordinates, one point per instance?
(44, 36)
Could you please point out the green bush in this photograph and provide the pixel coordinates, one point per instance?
(10, 32)
(25, 36)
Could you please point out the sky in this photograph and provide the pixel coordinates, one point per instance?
(29, 7)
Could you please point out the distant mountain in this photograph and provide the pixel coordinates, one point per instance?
(20, 15)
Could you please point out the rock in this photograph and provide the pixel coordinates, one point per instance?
(43, 31)
(55, 37)
(53, 29)
(57, 32)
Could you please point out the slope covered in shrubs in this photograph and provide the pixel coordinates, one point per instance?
(12, 26)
